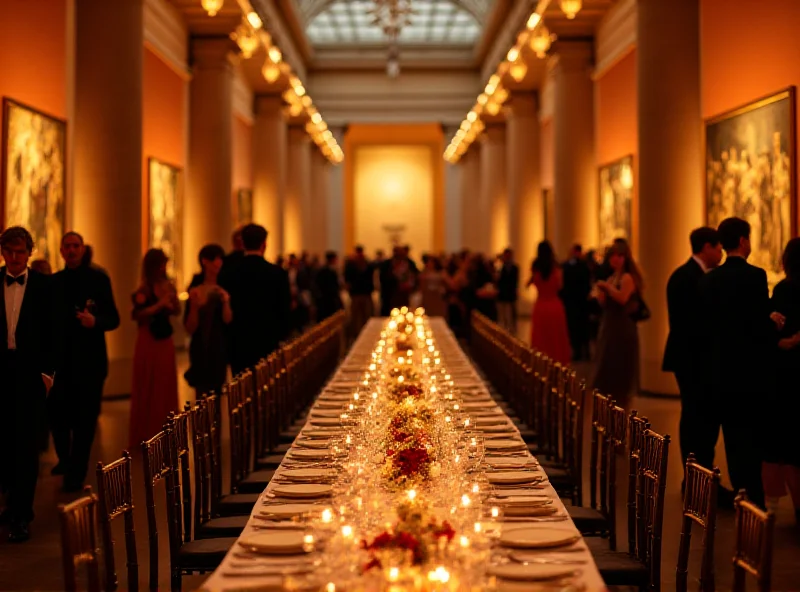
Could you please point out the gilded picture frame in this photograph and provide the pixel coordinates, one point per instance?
(33, 176)
(165, 214)
(750, 172)
(244, 206)
(615, 205)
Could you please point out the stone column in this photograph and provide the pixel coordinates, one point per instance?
(269, 170)
(524, 178)
(470, 197)
(453, 214)
(575, 174)
(493, 204)
(208, 206)
(297, 205)
(670, 162)
(336, 199)
(320, 188)
(107, 158)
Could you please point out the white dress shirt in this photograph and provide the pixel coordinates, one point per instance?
(13, 296)
(700, 263)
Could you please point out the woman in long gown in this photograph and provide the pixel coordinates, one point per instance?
(154, 392)
(617, 367)
(433, 288)
(207, 314)
(549, 333)
(781, 466)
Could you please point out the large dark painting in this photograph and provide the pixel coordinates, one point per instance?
(750, 173)
(616, 197)
(33, 176)
(165, 230)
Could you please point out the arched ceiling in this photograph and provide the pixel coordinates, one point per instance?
(434, 22)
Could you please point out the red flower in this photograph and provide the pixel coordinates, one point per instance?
(374, 562)
(445, 530)
(382, 540)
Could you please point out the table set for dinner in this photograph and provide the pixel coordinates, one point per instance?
(408, 476)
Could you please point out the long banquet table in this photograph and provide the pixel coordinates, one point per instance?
(242, 570)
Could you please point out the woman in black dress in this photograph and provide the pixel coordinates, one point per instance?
(207, 314)
(781, 466)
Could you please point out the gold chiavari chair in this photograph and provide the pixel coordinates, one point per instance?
(186, 558)
(643, 569)
(636, 429)
(755, 531)
(79, 542)
(115, 499)
(700, 507)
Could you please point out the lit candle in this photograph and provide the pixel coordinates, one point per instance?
(465, 501)
(478, 527)
(495, 512)
(327, 516)
(476, 488)
(412, 494)
(394, 574)
(347, 531)
(464, 542)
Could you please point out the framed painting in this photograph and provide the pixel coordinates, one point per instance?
(165, 231)
(616, 197)
(244, 207)
(751, 174)
(33, 177)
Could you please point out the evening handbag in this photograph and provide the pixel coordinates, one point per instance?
(642, 312)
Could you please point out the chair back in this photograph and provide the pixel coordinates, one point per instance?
(79, 542)
(180, 431)
(600, 405)
(158, 462)
(700, 507)
(636, 428)
(615, 432)
(115, 499)
(755, 531)
(652, 484)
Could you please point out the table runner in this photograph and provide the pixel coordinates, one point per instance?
(243, 570)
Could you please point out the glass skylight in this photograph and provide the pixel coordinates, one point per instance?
(436, 22)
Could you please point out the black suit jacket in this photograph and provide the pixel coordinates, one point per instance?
(329, 293)
(577, 285)
(261, 303)
(684, 351)
(84, 349)
(738, 330)
(508, 283)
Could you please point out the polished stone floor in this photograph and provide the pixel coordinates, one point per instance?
(36, 564)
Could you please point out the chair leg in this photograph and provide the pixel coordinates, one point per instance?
(177, 580)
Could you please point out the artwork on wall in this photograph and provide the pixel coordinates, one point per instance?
(244, 207)
(750, 173)
(33, 176)
(616, 197)
(165, 186)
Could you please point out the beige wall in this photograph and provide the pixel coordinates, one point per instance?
(394, 186)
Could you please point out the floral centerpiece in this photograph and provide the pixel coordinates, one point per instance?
(409, 451)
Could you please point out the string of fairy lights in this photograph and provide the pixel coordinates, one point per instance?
(250, 36)
(536, 36)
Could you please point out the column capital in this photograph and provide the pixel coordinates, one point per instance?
(210, 53)
(571, 56)
(268, 106)
(522, 104)
(493, 133)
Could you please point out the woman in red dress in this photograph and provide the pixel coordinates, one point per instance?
(549, 333)
(155, 378)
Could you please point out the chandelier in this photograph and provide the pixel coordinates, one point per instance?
(390, 16)
(571, 7)
(212, 7)
(246, 38)
(541, 41)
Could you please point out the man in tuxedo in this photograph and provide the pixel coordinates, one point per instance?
(328, 288)
(740, 334)
(359, 277)
(508, 292)
(86, 311)
(27, 365)
(575, 296)
(685, 353)
(260, 301)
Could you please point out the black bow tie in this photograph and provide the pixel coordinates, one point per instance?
(20, 279)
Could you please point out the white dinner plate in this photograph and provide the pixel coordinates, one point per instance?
(325, 433)
(504, 445)
(288, 510)
(325, 421)
(540, 537)
(303, 490)
(479, 405)
(308, 454)
(514, 477)
(306, 474)
(309, 443)
(493, 420)
(326, 413)
(532, 572)
(276, 542)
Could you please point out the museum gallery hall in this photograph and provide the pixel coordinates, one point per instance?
(399, 295)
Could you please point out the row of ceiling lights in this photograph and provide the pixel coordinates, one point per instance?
(250, 36)
(539, 39)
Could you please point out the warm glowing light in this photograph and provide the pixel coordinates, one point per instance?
(275, 55)
(394, 574)
(626, 176)
(246, 38)
(492, 108)
(533, 20)
(482, 98)
(495, 512)
(571, 7)
(412, 494)
(518, 70)
(465, 501)
(271, 72)
(347, 531)
(212, 7)
(308, 539)
(327, 515)
(472, 116)
(464, 541)
(541, 41)
(254, 20)
(512, 54)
